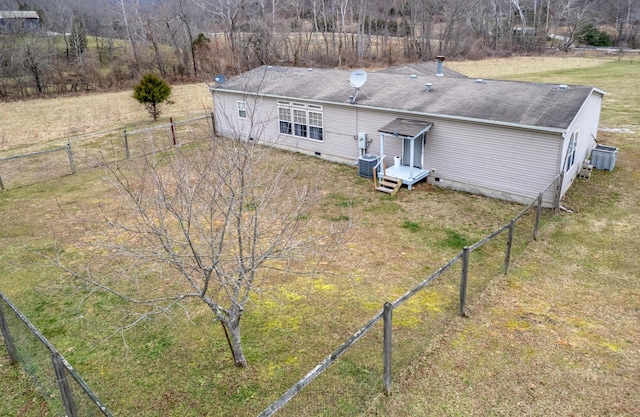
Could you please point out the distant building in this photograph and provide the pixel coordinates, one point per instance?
(19, 21)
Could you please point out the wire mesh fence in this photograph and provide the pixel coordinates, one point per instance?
(347, 382)
(28, 169)
(58, 383)
(92, 150)
(358, 371)
(345, 388)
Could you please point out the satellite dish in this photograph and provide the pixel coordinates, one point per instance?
(220, 79)
(358, 78)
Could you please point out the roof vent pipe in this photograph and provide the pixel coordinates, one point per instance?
(440, 70)
(428, 86)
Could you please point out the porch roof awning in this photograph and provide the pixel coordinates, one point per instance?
(406, 127)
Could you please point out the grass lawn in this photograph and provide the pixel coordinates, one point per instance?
(557, 336)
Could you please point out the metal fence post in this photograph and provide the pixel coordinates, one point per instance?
(536, 227)
(463, 280)
(8, 340)
(71, 163)
(173, 131)
(507, 252)
(387, 319)
(63, 384)
(126, 144)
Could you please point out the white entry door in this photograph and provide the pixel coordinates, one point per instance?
(418, 148)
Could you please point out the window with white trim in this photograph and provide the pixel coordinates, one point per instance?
(571, 151)
(315, 125)
(301, 120)
(284, 116)
(242, 109)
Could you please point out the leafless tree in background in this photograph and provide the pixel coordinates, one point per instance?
(195, 39)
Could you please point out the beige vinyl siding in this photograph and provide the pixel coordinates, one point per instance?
(341, 125)
(496, 161)
(508, 163)
(586, 125)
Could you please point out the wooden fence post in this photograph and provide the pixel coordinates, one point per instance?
(63, 384)
(387, 319)
(463, 280)
(1, 184)
(213, 124)
(507, 252)
(126, 144)
(536, 227)
(8, 340)
(559, 192)
(70, 154)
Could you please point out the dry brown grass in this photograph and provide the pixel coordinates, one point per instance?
(40, 121)
(501, 67)
(558, 336)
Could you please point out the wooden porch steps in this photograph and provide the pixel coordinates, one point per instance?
(389, 185)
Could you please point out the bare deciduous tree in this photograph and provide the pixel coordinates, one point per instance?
(201, 223)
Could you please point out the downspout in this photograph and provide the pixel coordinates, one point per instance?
(562, 163)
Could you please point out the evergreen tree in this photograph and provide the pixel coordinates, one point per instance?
(152, 92)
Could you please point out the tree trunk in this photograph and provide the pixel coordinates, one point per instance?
(232, 330)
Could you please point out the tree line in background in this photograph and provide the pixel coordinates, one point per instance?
(109, 44)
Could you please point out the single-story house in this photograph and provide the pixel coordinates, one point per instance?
(503, 139)
(19, 21)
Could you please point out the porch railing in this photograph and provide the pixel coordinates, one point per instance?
(375, 171)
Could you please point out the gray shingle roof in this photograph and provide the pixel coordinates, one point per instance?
(406, 127)
(422, 68)
(504, 102)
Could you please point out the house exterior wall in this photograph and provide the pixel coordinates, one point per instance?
(339, 127)
(507, 163)
(585, 125)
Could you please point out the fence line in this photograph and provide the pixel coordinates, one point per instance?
(10, 158)
(71, 401)
(171, 123)
(35, 167)
(387, 310)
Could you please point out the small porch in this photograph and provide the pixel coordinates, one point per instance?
(407, 168)
(408, 174)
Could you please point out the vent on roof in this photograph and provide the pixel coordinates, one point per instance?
(563, 87)
(413, 76)
(440, 67)
(428, 87)
(479, 81)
